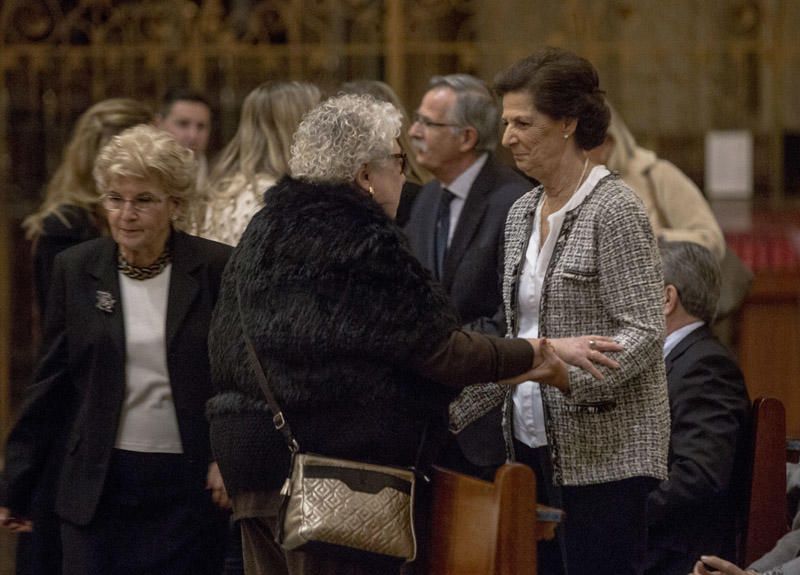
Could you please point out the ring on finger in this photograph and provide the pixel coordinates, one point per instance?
(592, 344)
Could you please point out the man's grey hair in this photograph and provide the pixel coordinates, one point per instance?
(342, 134)
(476, 106)
(695, 273)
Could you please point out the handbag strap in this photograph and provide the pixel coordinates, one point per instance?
(278, 419)
(422, 461)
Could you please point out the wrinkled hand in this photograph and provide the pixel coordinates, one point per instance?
(551, 370)
(547, 367)
(14, 524)
(586, 351)
(716, 566)
(218, 492)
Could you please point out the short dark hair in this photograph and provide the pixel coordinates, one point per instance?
(181, 94)
(694, 272)
(561, 85)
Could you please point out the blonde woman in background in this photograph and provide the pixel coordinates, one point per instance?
(71, 212)
(256, 158)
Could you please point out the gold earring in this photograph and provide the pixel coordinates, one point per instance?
(371, 191)
(566, 136)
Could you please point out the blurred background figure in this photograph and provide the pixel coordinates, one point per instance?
(677, 210)
(675, 206)
(416, 175)
(124, 377)
(256, 158)
(186, 114)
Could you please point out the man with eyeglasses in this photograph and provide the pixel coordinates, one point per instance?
(456, 230)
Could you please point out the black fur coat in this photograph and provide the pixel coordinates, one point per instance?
(339, 311)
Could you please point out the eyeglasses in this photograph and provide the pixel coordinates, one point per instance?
(428, 123)
(140, 204)
(403, 157)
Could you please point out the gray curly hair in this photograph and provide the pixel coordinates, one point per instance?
(342, 134)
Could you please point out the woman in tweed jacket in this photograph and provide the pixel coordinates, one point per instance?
(580, 257)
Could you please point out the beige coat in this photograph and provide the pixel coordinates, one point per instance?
(675, 206)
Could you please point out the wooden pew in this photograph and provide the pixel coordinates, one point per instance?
(484, 528)
(765, 515)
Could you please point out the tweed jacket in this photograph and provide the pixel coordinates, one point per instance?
(604, 278)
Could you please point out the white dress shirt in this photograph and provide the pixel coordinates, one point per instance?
(460, 188)
(529, 425)
(676, 336)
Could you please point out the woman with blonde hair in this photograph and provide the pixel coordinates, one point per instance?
(256, 157)
(124, 378)
(71, 212)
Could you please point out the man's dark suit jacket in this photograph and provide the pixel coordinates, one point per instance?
(79, 385)
(474, 259)
(692, 512)
(472, 273)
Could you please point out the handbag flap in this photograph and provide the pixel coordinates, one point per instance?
(363, 480)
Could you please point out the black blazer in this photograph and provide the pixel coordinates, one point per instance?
(692, 512)
(79, 385)
(474, 259)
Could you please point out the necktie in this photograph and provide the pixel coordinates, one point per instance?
(442, 230)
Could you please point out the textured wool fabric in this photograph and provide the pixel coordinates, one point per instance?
(339, 311)
(604, 278)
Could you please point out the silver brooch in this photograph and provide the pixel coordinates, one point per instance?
(105, 301)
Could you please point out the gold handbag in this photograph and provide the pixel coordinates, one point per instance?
(349, 504)
(336, 504)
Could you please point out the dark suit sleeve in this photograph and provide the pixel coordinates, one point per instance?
(495, 324)
(57, 235)
(44, 412)
(709, 412)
